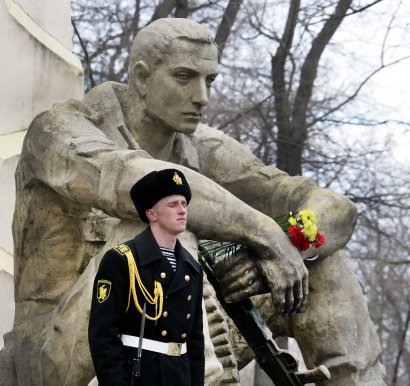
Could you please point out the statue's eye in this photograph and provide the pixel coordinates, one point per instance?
(210, 80)
(184, 76)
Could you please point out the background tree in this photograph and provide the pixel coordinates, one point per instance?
(283, 92)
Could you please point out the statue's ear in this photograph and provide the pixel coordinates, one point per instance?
(140, 75)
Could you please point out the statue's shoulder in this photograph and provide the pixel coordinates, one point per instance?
(104, 93)
(206, 132)
(203, 129)
(91, 107)
(94, 105)
(209, 136)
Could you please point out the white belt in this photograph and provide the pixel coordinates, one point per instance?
(170, 348)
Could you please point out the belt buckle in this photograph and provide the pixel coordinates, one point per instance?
(174, 349)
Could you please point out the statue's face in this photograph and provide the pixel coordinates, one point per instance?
(178, 89)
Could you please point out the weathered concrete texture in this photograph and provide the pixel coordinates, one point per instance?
(38, 71)
(52, 16)
(31, 85)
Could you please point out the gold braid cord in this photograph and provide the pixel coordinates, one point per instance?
(157, 299)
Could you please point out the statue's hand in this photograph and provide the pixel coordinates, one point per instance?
(242, 276)
(239, 276)
(335, 218)
(288, 280)
(280, 265)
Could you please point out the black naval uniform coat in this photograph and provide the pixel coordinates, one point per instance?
(181, 320)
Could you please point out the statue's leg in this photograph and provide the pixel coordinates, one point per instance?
(65, 357)
(335, 330)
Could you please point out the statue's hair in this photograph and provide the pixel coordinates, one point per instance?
(152, 43)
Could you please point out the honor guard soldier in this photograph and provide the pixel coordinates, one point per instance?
(146, 315)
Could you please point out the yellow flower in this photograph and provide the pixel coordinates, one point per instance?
(307, 215)
(310, 230)
(292, 221)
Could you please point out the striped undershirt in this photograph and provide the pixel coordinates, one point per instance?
(169, 254)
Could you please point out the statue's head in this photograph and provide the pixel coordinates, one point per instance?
(172, 65)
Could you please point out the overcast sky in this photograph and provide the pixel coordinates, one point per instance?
(388, 91)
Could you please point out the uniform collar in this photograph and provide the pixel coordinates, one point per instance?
(156, 267)
(149, 251)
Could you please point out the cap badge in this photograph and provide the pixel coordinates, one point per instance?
(177, 179)
(103, 290)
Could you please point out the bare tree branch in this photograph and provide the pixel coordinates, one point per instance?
(282, 104)
(225, 27)
(357, 91)
(181, 8)
(401, 348)
(86, 57)
(291, 158)
(163, 9)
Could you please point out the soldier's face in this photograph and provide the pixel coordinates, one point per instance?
(178, 89)
(169, 215)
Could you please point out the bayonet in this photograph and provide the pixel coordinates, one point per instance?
(136, 362)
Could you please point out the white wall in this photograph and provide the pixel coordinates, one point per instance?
(37, 70)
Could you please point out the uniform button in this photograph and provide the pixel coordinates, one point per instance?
(183, 336)
(164, 332)
(189, 297)
(187, 277)
(188, 316)
(163, 275)
(165, 314)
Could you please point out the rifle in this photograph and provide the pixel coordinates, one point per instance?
(280, 365)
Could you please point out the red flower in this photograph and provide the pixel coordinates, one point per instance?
(320, 239)
(298, 239)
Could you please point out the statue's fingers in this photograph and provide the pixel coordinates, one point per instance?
(289, 301)
(243, 275)
(232, 273)
(305, 293)
(235, 284)
(240, 291)
(243, 292)
(278, 300)
(298, 294)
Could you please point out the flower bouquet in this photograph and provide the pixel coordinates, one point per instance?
(301, 229)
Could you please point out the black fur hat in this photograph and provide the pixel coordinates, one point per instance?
(147, 191)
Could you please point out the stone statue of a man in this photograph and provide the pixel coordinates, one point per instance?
(77, 165)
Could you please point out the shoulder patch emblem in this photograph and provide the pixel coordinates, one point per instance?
(103, 290)
(122, 248)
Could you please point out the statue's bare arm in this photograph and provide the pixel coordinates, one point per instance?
(272, 191)
(73, 157)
